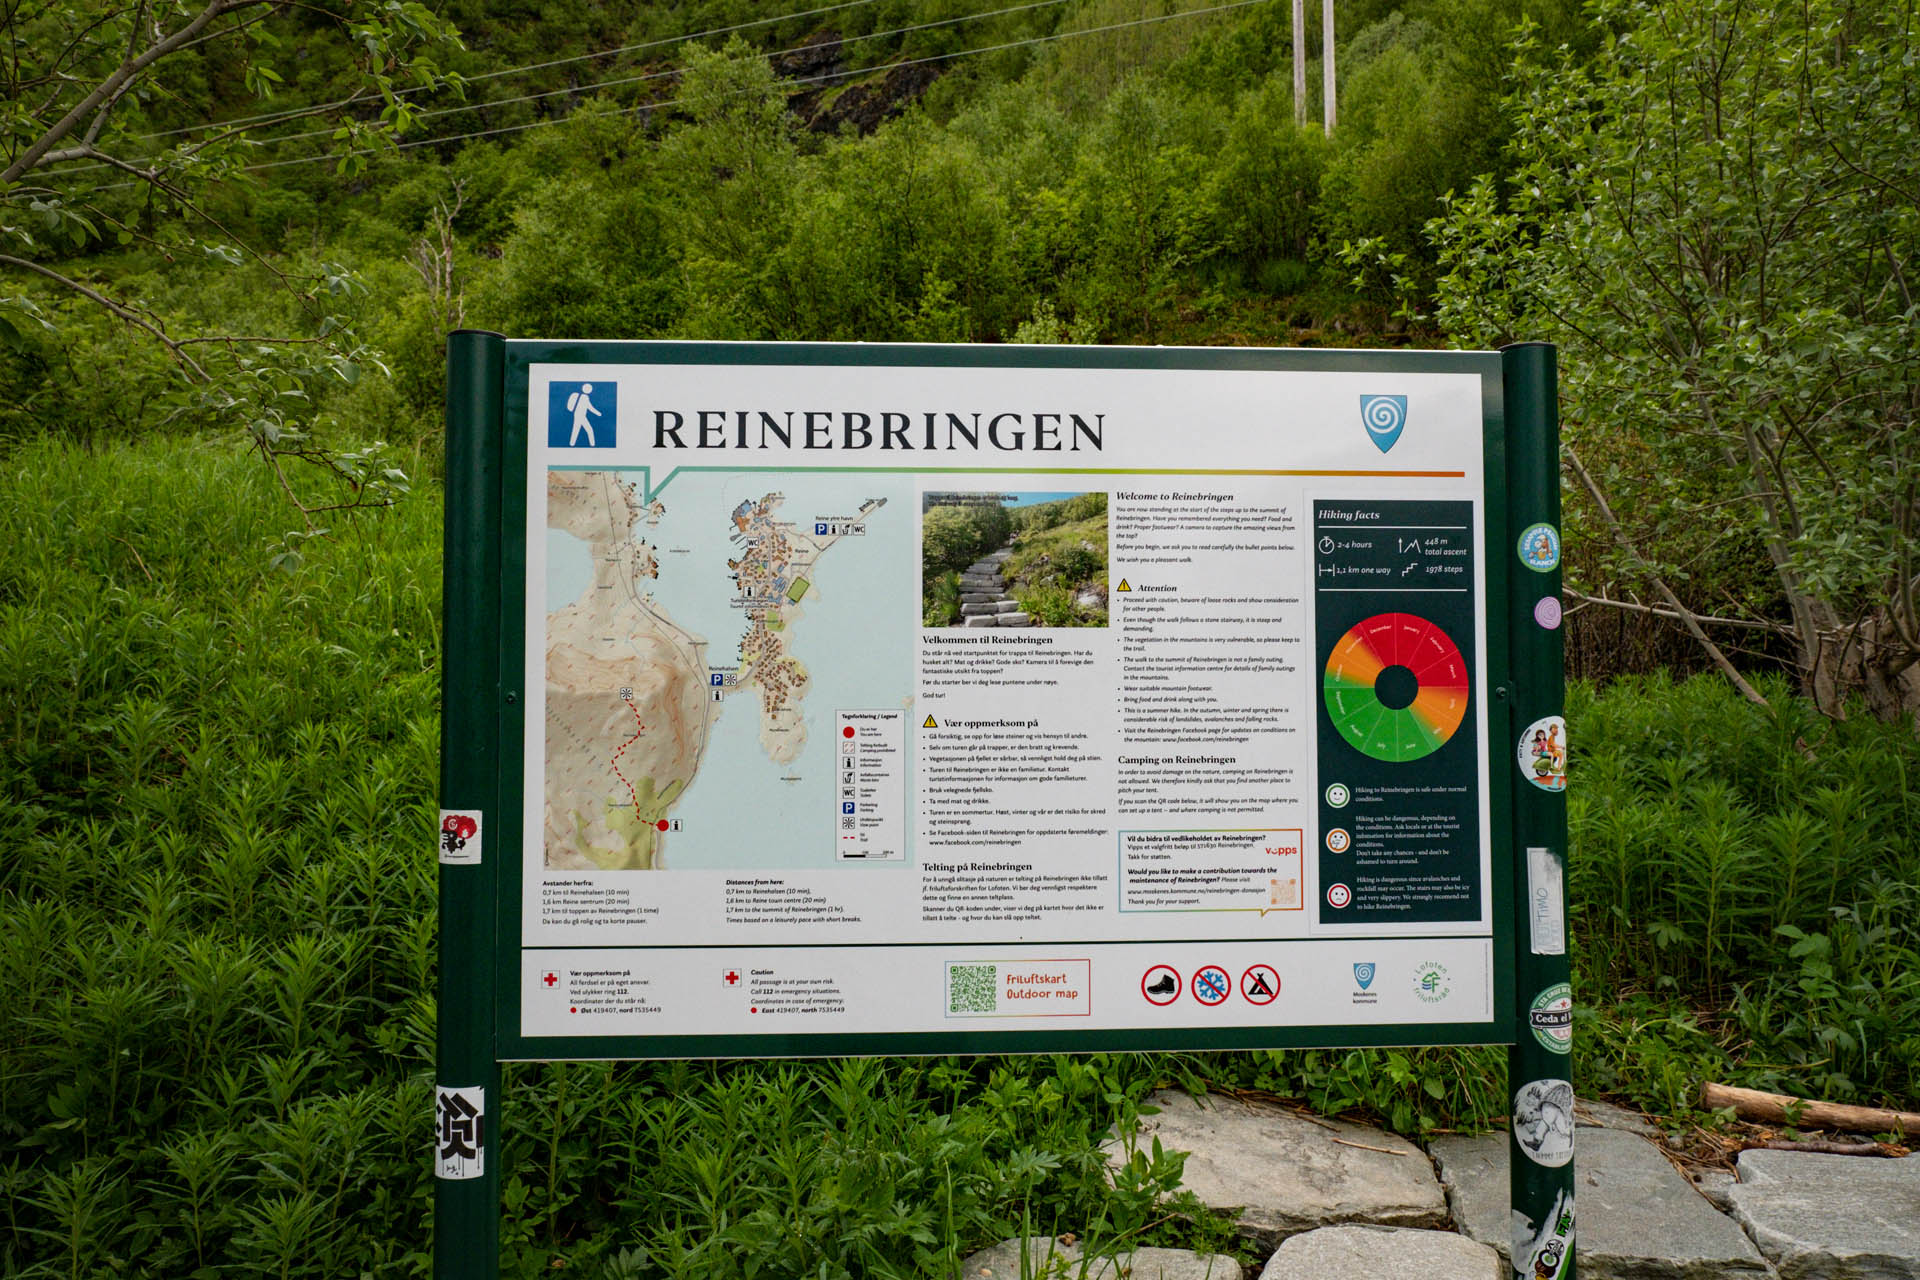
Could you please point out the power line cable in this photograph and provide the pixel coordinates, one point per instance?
(274, 116)
(671, 102)
(620, 80)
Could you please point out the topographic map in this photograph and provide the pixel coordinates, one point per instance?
(637, 699)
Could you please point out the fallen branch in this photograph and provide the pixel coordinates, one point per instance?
(1828, 1147)
(1776, 1108)
(1385, 1151)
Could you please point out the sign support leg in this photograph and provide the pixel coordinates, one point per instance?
(467, 1149)
(1539, 1067)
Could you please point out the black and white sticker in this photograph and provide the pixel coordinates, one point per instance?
(460, 837)
(1543, 1121)
(460, 1132)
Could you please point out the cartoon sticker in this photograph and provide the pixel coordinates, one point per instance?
(1543, 1121)
(1546, 1254)
(1551, 1017)
(1542, 754)
(1540, 548)
(460, 837)
(1546, 612)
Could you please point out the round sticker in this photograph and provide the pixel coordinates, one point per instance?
(1551, 1017)
(1542, 753)
(1546, 612)
(1338, 795)
(1338, 840)
(1338, 895)
(1540, 548)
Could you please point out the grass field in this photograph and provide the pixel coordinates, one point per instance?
(217, 944)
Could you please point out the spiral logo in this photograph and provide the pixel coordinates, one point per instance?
(1384, 418)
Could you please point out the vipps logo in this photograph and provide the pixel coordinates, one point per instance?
(1384, 417)
(1430, 983)
(582, 415)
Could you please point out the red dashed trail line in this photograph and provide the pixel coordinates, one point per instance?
(639, 728)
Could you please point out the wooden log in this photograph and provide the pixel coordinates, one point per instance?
(1752, 1104)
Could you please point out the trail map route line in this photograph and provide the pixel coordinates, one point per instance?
(614, 763)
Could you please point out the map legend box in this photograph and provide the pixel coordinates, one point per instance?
(870, 801)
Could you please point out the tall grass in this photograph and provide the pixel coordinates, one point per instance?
(1748, 882)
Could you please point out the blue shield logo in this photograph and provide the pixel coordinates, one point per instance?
(1363, 974)
(1385, 417)
(581, 415)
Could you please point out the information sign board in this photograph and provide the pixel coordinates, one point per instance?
(829, 699)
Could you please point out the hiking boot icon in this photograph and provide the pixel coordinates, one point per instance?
(1166, 986)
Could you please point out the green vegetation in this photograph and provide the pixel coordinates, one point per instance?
(1058, 569)
(951, 538)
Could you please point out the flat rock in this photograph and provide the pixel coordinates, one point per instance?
(977, 597)
(1050, 1257)
(984, 609)
(1635, 1217)
(1382, 1253)
(1820, 1217)
(982, 620)
(1015, 619)
(1604, 1115)
(1287, 1175)
(1007, 606)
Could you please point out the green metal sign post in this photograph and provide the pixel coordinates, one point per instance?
(822, 700)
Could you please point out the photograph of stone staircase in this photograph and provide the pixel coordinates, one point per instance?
(984, 601)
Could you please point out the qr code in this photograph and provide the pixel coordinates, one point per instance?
(970, 988)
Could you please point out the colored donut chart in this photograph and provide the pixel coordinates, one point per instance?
(1375, 647)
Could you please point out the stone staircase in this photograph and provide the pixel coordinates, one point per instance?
(983, 594)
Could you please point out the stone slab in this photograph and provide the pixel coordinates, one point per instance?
(984, 609)
(1594, 1114)
(1382, 1253)
(1286, 1174)
(1015, 619)
(1007, 606)
(982, 620)
(1049, 1257)
(1635, 1217)
(1820, 1217)
(977, 597)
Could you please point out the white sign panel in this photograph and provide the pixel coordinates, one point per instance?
(1191, 733)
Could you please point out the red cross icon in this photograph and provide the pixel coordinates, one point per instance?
(551, 978)
(731, 977)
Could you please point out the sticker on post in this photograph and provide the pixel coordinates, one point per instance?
(460, 837)
(1551, 1018)
(460, 1142)
(1542, 753)
(1543, 1121)
(1546, 902)
(1546, 1253)
(1540, 548)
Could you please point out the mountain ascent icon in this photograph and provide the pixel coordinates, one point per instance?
(1384, 417)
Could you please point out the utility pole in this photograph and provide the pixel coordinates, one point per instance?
(1299, 64)
(1326, 62)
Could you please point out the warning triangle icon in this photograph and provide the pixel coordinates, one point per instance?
(930, 723)
(1123, 586)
